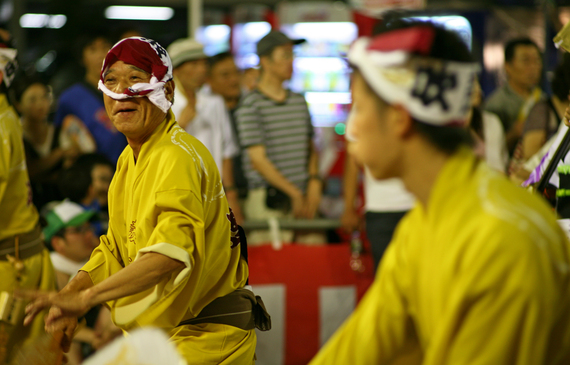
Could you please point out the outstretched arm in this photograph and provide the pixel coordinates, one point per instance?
(80, 294)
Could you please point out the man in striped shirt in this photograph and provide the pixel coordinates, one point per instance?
(275, 129)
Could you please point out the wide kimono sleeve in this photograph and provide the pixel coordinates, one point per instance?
(105, 259)
(380, 329)
(170, 221)
(179, 229)
(178, 233)
(502, 305)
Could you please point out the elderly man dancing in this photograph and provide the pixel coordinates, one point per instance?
(171, 257)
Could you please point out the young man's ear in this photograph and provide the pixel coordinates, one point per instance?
(508, 69)
(263, 60)
(403, 122)
(58, 244)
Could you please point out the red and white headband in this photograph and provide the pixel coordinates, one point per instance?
(397, 67)
(147, 55)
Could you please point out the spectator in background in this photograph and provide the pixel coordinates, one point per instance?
(70, 235)
(513, 101)
(488, 133)
(545, 116)
(275, 130)
(223, 78)
(81, 113)
(87, 183)
(44, 157)
(386, 203)
(204, 115)
(24, 260)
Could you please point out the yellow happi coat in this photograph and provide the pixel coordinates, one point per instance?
(480, 276)
(171, 201)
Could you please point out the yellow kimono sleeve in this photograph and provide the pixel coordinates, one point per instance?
(105, 260)
(502, 306)
(178, 234)
(179, 229)
(380, 329)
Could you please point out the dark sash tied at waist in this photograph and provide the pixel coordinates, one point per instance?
(28, 245)
(241, 308)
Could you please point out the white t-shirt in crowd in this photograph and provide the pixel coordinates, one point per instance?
(496, 154)
(63, 264)
(386, 195)
(211, 125)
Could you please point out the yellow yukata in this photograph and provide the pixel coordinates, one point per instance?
(479, 277)
(18, 216)
(171, 201)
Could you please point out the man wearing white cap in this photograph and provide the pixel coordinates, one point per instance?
(71, 236)
(171, 257)
(204, 115)
(478, 271)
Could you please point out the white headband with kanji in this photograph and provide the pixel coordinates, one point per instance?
(433, 91)
(8, 64)
(149, 56)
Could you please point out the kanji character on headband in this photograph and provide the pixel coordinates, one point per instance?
(150, 57)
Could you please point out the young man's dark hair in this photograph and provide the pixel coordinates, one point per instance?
(511, 46)
(215, 59)
(21, 83)
(86, 38)
(447, 46)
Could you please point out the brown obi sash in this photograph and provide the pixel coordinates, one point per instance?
(241, 308)
(27, 245)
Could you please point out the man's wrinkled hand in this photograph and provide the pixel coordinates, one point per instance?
(62, 304)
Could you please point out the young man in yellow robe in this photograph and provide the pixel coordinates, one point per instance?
(478, 271)
(171, 257)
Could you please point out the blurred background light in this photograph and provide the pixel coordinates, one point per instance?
(139, 12)
(32, 20)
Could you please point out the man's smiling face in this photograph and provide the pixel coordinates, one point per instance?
(135, 117)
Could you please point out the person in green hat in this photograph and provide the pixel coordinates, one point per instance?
(70, 234)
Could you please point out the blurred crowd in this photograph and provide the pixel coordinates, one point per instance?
(261, 137)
